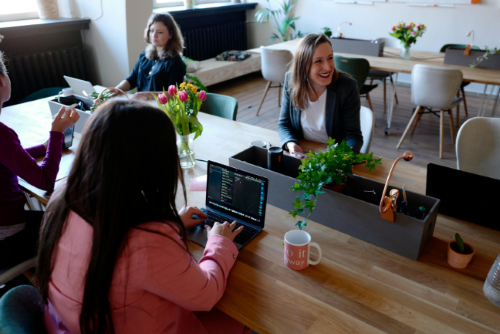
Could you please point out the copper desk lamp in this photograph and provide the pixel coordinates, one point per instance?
(388, 204)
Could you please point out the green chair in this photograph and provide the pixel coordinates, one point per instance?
(21, 311)
(42, 93)
(358, 68)
(461, 46)
(220, 105)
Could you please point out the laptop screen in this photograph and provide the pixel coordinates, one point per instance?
(468, 196)
(237, 193)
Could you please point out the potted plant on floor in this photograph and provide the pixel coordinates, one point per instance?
(459, 252)
(328, 170)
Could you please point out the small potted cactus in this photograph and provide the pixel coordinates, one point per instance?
(459, 252)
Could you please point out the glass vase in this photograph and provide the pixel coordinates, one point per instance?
(405, 52)
(185, 146)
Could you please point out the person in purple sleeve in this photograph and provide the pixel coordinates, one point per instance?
(18, 228)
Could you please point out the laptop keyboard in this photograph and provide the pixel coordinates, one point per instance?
(242, 238)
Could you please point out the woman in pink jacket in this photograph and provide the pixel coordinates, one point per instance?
(113, 255)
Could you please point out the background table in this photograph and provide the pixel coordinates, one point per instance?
(391, 62)
(357, 287)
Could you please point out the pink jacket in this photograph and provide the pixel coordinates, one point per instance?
(156, 284)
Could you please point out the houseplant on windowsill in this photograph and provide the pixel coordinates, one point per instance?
(407, 35)
(459, 253)
(182, 107)
(327, 169)
(283, 18)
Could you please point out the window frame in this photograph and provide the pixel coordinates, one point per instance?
(19, 16)
(180, 3)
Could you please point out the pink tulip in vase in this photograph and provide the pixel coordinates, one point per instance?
(407, 35)
(182, 104)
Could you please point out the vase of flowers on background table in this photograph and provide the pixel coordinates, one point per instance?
(182, 106)
(407, 35)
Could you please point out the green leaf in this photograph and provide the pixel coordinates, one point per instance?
(297, 204)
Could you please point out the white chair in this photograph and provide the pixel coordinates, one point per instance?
(274, 65)
(367, 128)
(478, 147)
(434, 88)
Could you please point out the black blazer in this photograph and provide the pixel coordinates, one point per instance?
(156, 75)
(342, 114)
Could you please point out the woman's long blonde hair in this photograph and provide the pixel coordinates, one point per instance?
(301, 65)
(175, 44)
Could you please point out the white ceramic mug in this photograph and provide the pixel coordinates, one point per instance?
(297, 245)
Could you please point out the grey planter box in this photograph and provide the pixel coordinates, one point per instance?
(407, 236)
(455, 56)
(358, 47)
(84, 115)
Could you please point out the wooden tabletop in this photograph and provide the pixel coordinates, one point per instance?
(357, 287)
(393, 63)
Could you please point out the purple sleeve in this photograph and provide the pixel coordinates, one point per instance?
(36, 151)
(20, 162)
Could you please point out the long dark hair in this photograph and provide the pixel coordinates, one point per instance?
(175, 44)
(125, 173)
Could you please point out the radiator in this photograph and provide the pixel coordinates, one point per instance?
(32, 72)
(207, 42)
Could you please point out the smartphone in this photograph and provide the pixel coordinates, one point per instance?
(68, 137)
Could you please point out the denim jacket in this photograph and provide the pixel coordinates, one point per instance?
(342, 114)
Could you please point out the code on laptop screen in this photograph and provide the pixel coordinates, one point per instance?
(236, 193)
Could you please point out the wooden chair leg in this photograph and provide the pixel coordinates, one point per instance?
(369, 101)
(441, 130)
(385, 96)
(371, 82)
(279, 94)
(30, 276)
(458, 109)
(395, 95)
(452, 128)
(465, 103)
(413, 117)
(416, 122)
(263, 97)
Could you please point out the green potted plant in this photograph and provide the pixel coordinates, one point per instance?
(489, 52)
(283, 18)
(327, 169)
(459, 252)
(327, 32)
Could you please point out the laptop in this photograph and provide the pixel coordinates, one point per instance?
(232, 195)
(467, 196)
(80, 87)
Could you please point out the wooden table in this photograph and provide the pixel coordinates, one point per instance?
(357, 287)
(391, 62)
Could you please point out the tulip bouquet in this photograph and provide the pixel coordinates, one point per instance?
(407, 34)
(182, 106)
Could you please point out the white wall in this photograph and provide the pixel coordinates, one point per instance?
(445, 25)
(114, 39)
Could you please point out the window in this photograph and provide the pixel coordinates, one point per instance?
(18, 10)
(172, 3)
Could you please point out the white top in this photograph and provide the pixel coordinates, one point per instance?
(312, 120)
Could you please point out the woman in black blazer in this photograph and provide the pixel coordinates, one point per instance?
(318, 100)
(161, 64)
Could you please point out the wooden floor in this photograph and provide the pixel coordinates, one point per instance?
(424, 143)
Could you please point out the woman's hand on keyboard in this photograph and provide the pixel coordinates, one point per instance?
(226, 230)
(187, 213)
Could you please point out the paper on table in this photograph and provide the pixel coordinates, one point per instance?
(198, 184)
